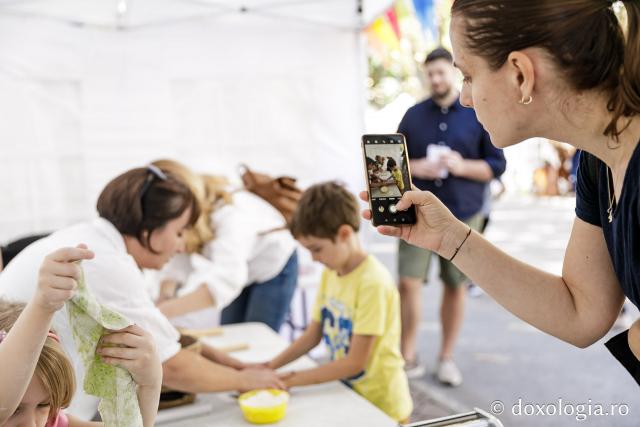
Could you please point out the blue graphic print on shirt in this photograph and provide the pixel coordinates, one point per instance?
(337, 330)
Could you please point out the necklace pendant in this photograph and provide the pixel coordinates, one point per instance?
(610, 217)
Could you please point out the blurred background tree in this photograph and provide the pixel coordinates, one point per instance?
(398, 41)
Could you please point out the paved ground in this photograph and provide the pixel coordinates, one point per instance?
(503, 359)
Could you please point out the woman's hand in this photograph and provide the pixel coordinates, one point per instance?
(133, 349)
(168, 290)
(58, 277)
(436, 228)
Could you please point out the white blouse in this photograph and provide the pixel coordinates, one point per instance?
(241, 253)
(112, 276)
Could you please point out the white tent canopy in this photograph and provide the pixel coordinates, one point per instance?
(136, 14)
(91, 88)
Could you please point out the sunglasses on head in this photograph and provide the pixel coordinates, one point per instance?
(153, 172)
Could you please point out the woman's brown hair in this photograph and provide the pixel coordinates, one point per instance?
(54, 369)
(584, 37)
(210, 192)
(139, 201)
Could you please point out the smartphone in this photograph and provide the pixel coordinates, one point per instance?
(388, 177)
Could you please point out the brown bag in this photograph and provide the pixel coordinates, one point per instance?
(281, 193)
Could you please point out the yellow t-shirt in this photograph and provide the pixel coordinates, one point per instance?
(397, 175)
(366, 302)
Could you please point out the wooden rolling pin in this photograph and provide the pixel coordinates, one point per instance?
(233, 347)
(200, 333)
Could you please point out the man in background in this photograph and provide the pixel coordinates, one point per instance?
(450, 155)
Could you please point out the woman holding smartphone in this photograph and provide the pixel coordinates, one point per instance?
(568, 71)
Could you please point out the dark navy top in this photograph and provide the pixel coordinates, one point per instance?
(458, 128)
(623, 234)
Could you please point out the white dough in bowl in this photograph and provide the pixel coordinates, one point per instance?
(265, 399)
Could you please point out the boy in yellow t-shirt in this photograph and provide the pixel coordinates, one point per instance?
(396, 172)
(357, 311)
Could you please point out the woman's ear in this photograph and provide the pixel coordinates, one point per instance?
(146, 240)
(522, 75)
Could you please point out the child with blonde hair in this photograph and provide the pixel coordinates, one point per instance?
(240, 263)
(37, 380)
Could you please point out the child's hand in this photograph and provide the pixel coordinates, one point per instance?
(256, 379)
(287, 378)
(133, 349)
(57, 279)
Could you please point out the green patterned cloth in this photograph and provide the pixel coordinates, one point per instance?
(113, 385)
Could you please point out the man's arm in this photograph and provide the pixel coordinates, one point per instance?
(492, 163)
(476, 170)
(426, 168)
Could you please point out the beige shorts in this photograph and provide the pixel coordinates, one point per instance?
(415, 262)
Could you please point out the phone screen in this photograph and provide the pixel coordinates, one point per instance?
(388, 178)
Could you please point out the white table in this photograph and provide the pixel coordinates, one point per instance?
(331, 404)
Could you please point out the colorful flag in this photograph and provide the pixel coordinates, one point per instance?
(426, 14)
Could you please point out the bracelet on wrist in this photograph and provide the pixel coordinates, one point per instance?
(460, 246)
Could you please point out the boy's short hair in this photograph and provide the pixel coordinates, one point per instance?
(323, 209)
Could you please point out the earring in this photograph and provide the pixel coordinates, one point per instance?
(528, 101)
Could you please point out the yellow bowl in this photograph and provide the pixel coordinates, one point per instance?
(263, 415)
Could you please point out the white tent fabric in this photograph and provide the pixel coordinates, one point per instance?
(130, 14)
(91, 88)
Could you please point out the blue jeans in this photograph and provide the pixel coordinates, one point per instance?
(267, 302)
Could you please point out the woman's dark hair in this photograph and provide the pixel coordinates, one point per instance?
(140, 201)
(584, 38)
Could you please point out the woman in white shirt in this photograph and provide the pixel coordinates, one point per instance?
(143, 215)
(240, 259)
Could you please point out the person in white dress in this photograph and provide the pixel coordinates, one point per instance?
(240, 259)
